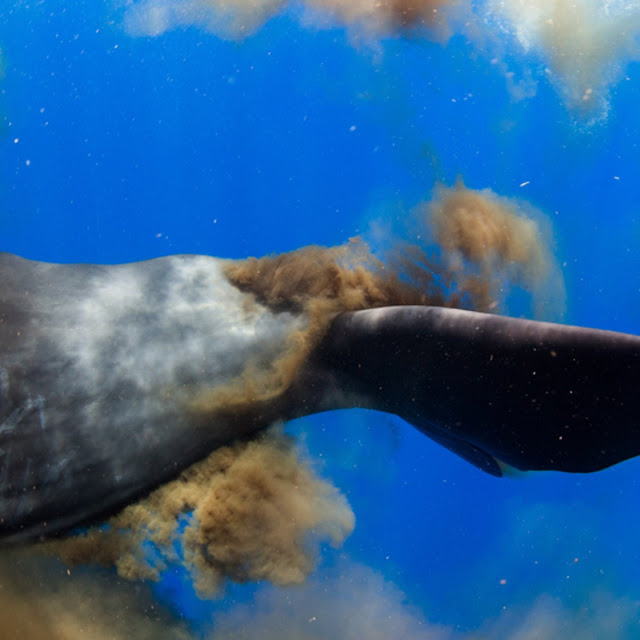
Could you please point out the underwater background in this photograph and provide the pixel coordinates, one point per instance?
(133, 129)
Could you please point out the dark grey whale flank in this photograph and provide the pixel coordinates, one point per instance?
(100, 364)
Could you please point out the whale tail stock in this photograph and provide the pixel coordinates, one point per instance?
(494, 390)
(99, 364)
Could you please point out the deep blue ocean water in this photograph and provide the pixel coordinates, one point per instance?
(120, 147)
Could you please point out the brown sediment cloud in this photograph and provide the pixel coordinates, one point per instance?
(240, 18)
(352, 602)
(381, 17)
(487, 238)
(357, 602)
(40, 599)
(460, 233)
(253, 511)
(584, 43)
(318, 282)
(474, 247)
(483, 228)
(505, 241)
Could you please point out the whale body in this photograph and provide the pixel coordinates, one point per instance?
(100, 367)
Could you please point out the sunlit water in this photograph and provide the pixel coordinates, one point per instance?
(138, 129)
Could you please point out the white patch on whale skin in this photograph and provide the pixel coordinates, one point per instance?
(143, 339)
(199, 330)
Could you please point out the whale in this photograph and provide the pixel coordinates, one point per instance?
(103, 371)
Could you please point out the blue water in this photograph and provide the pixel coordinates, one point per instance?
(118, 148)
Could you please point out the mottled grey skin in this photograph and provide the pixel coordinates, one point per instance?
(100, 365)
